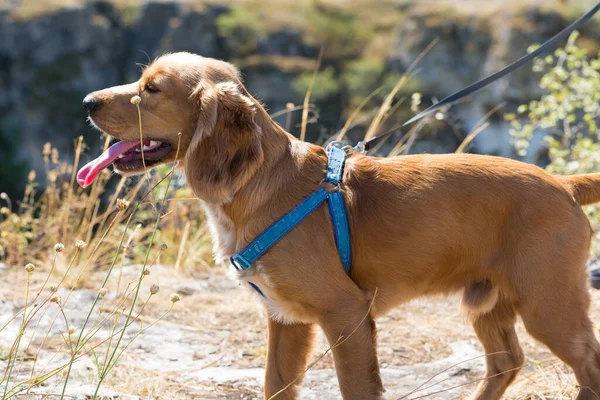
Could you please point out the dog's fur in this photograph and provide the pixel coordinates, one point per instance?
(509, 235)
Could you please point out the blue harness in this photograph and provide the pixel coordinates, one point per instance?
(336, 157)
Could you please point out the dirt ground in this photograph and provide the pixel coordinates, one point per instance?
(213, 346)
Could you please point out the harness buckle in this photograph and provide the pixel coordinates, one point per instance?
(239, 262)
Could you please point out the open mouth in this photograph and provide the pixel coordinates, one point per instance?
(126, 157)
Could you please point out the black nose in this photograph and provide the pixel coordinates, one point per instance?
(89, 103)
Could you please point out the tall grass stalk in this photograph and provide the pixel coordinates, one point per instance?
(115, 352)
(355, 113)
(385, 106)
(141, 277)
(13, 355)
(305, 105)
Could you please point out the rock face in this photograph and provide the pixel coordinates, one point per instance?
(49, 62)
(469, 49)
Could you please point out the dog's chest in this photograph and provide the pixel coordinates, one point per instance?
(279, 307)
(224, 246)
(222, 231)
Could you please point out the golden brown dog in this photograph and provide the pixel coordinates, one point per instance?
(509, 235)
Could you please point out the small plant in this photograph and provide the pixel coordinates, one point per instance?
(241, 30)
(341, 33)
(362, 76)
(325, 84)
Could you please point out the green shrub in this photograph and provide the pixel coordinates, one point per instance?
(341, 33)
(325, 85)
(241, 30)
(361, 77)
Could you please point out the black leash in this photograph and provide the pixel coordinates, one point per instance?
(369, 144)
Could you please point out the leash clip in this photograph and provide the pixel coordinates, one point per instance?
(360, 147)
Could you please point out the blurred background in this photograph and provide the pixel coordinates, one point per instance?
(53, 52)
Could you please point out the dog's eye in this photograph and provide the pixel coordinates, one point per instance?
(150, 88)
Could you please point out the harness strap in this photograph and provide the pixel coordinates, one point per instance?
(337, 207)
(336, 157)
(246, 258)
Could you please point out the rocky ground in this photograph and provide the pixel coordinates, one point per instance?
(212, 346)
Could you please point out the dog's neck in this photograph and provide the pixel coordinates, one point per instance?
(291, 170)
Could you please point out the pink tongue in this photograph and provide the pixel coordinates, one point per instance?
(89, 172)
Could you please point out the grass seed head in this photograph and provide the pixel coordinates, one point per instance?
(154, 289)
(54, 155)
(80, 244)
(135, 100)
(55, 299)
(52, 176)
(102, 292)
(175, 298)
(47, 149)
(71, 330)
(59, 247)
(52, 288)
(146, 271)
(163, 247)
(30, 268)
(122, 204)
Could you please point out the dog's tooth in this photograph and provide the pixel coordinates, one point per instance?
(147, 147)
(153, 143)
(137, 150)
(121, 156)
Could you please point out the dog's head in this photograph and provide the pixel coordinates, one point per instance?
(194, 110)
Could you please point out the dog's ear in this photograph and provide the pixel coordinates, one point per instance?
(226, 150)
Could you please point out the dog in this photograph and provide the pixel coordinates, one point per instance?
(512, 237)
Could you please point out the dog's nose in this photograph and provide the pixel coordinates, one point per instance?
(90, 103)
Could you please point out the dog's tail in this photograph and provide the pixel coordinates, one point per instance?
(584, 188)
(479, 297)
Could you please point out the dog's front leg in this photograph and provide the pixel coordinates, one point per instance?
(287, 354)
(351, 333)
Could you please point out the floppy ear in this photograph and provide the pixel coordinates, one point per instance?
(226, 150)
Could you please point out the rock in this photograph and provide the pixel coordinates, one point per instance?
(192, 287)
(471, 48)
(49, 63)
(286, 42)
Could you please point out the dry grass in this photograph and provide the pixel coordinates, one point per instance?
(99, 233)
(57, 210)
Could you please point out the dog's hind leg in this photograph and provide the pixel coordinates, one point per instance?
(287, 356)
(560, 321)
(504, 357)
